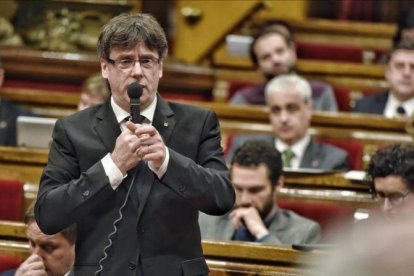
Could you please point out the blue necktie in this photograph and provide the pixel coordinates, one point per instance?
(243, 234)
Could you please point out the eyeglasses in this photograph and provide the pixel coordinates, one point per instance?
(394, 198)
(127, 64)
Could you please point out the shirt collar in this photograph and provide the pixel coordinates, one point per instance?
(390, 109)
(121, 114)
(298, 148)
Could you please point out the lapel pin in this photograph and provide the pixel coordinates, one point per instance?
(3, 124)
(165, 124)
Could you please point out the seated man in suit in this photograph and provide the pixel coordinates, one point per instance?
(289, 100)
(391, 175)
(256, 173)
(398, 101)
(50, 254)
(273, 52)
(9, 111)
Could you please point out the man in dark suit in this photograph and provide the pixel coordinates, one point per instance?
(135, 190)
(399, 73)
(256, 173)
(289, 100)
(9, 112)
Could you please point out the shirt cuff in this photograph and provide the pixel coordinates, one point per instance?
(112, 171)
(162, 170)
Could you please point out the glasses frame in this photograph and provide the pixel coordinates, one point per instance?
(142, 64)
(394, 202)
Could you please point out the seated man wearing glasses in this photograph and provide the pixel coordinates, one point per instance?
(391, 174)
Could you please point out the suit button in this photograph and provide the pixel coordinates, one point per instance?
(86, 193)
(132, 265)
(141, 230)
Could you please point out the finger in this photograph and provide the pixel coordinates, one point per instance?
(146, 129)
(131, 126)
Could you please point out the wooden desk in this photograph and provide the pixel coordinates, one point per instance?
(235, 258)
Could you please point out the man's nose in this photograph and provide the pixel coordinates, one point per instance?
(386, 205)
(136, 69)
(284, 116)
(244, 198)
(276, 58)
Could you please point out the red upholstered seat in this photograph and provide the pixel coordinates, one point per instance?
(347, 53)
(237, 85)
(8, 262)
(343, 98)
(11, 199)
(354, 148)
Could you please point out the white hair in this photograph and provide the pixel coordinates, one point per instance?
(288, 82)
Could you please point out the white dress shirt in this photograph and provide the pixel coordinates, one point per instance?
(298, 149)
(390, 110)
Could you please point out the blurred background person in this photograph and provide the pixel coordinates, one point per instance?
(256, 173)
(9, 111)
(51, 255)
(398, 101)
(391, 176)
(405, 26)
(273, 53)
(289, 99)
(94, 91)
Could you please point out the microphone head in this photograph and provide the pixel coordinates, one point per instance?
(134, 90)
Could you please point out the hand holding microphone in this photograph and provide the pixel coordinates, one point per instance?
(138, 142)
(124, 155)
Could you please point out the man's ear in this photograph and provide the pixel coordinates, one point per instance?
(160, 72)
(104, 68)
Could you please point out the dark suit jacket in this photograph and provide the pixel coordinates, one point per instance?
(9, 112)
(316, 156)
(159, 228)
(373, 104)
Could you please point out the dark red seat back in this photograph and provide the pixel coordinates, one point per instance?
(9, 262)
(11, 199)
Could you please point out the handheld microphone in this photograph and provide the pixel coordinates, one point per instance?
(134, 91)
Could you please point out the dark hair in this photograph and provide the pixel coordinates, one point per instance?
(407, 44)
(271, 27)
(395, 160)
(128, 29)
(255, 152)
(69, 232)
(405, 21)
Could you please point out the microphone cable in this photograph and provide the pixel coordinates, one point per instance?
(115, 226)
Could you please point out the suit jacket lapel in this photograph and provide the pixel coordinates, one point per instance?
(164, 120)
(106, 126)
(311, 156)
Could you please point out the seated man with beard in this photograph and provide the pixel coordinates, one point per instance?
(256, 173)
